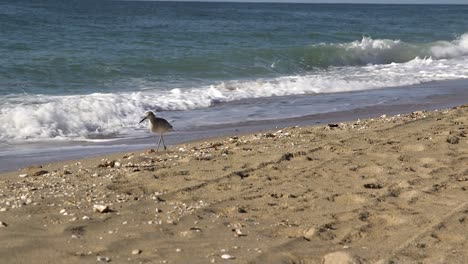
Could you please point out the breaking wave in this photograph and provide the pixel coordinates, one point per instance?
(359, 65)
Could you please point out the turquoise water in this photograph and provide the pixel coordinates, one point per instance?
(81, 70)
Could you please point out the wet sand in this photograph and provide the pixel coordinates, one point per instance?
(386, 190)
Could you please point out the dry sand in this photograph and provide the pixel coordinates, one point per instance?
(385, 190)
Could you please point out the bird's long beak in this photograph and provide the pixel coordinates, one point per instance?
(143, 119)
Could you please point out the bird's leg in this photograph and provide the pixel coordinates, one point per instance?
(160, 138)
(163, 142)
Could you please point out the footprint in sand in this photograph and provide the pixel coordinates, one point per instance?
(391, 220)
(414, 148)
(350, 199)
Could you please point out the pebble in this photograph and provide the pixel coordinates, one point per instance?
(103, 259)
(241, 210)
(310, 233)
(85, 217)
(23, 175)
(239, 232)
(453, 140)
(101, 208)
(136, 252)
(40, 173)
(227, 256)
(206, 157)
(3, 224)
(3, 209)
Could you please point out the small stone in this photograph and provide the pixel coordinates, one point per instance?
(453, 140)
(239, 232)
(3, 224)
(227, 256)
(241, 210)
(158, 210)
(373, 186)
(40, 173)
(178, 250)
(65, 172)
(310, 233)
(23, 175)
(107, 164)
(136, 252)
(103, 259)
(85, 217)
(63, 211)
(3, 209)
(101, 208)
(206, 157)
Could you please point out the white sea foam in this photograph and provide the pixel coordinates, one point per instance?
(82, 116)
(367, 43)
(453, 49)
(385, 51)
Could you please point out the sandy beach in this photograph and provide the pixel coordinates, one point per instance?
(393, 189)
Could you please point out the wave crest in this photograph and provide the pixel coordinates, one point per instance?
(84, 116)
(453, 49)
(375, 51)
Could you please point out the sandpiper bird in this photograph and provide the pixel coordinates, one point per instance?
(157, 125)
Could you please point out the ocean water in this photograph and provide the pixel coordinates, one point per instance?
(86, 71)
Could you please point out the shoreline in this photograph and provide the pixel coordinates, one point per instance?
(15, 157)
(392, 188)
